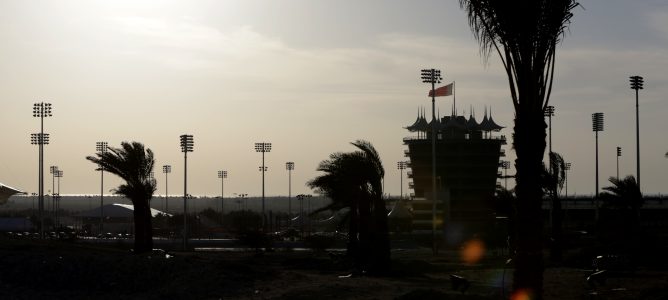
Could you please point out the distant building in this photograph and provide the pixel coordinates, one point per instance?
(467, 164)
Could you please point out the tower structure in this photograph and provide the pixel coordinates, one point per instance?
(467, 158)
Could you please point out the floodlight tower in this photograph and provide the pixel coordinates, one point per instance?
(401, 166)
(263, 148)
(505, 165)
(101, 148)
(290, 166)
(53, 170)
(41, 110)
(637, 84)
(56, 204)
(166, 169)
(187, 144)
(567, 167)
(597, 125)
(619, 153)
(549, 113)
(433, 76)
(222, 174)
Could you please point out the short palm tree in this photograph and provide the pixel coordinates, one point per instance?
(525, 34)
(623, 194)
(353, 180)
(133, 164)
(554, 178)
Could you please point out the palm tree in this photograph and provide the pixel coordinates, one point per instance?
(554, 178)
(620, 226)
(525, 34)
(624, 194)
(353, 180)
(133, 164)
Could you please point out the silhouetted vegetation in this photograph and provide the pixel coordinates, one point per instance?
(353, 180)
(554, 177)
(525, 35)
(133, 164)
(622, 202)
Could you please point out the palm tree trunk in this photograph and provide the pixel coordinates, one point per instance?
(556, 246)
(143, 227)
(353, 229)
(365, 230)
(381, 237)
(529, 144)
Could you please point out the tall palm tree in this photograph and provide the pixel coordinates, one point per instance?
(133, 164)
(525, 34)
(353, 180)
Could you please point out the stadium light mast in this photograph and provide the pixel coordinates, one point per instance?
(433, 76)
(567, 167)
(222, 174)
(187, 144)
(53, 170)
(505, 165)
(401, 166)
(549, 113)
(263, 148)
(619, 153)
(41, 110)
(637, 83)
(290, 166)
(59, 174)
(166, 169)
(101, 148)
(597, 125)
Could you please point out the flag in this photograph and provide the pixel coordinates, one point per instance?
(445, 90)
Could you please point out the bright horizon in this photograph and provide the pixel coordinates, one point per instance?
(308, 77)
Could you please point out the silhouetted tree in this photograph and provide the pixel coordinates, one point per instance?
(525, 34)
(353, 180)
(624, 194)
(554, 178)
(133, 164)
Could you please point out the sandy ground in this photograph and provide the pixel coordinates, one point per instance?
(57, 270)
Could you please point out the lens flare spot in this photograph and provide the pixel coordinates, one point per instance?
(521, 294)
(472, 251)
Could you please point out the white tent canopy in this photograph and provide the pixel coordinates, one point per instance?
(116, 210)
(6, 192)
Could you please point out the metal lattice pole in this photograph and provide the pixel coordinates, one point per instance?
(290, 166)
(433, 77)
(637, 83)
(166, 169)
(41, 110)
(222, 174)
(186, 146)
(263, 148)
(597, 125)
(101, 147)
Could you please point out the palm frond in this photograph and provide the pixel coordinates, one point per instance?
(524, 33)
(133, 163)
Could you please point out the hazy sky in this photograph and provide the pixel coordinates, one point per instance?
(307, 76)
